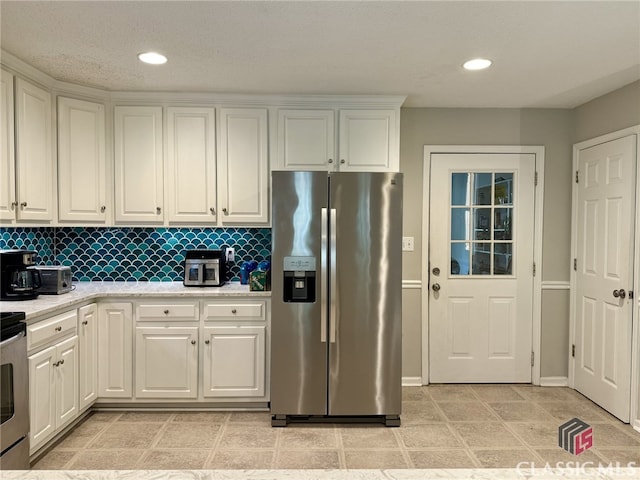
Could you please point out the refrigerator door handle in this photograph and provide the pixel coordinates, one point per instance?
(334, 290)
(323, 275)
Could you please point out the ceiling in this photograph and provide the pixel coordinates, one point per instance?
(546, 54)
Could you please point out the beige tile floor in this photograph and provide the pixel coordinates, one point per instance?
(443, 426)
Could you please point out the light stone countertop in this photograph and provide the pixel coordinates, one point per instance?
(408, 474)
(85, 292)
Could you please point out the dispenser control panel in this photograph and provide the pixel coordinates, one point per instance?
(299, 279)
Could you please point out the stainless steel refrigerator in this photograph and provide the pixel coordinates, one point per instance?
(336, 279)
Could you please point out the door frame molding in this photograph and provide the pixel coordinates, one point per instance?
(635, 310)
(539, 153)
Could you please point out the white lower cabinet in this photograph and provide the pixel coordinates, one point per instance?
(53, 390)
(166, 361)
(234, 361)
(115, 350)
(88, 354)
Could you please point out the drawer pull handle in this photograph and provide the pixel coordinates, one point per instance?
(166, 312)
(234, 311)
(58, 329)
(207, 342)
(193, 342)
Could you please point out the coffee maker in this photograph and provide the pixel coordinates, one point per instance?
(17, 280)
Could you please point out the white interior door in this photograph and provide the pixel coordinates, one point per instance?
(605, 226)
(481, 267)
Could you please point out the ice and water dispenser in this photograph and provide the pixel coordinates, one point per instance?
(299, 279)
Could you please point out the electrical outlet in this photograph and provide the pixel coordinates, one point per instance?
(230, 255)
(407, 244)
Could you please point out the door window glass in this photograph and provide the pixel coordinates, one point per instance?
(482, 220)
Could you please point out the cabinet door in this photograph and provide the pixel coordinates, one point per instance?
(234, 361)
(88, 355)
(34, 168)
(306, 140)
(115, 350)
(166, 362)
(8, 202)
(243, 168)
(66, 373)
(42, 407)
(191, 165)
(369, 141)
(138, 164)
(82, 182)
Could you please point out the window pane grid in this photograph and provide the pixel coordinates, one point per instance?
(482, 215)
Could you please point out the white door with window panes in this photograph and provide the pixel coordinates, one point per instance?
(481, 267)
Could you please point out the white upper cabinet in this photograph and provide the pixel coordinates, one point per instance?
(306, 139)
(367, 140)
(33, 150)
(138, 165)
(82, 173)
(8, 201)
(243, 166)
(191, 165)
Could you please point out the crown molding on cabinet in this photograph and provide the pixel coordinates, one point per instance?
(58, 87)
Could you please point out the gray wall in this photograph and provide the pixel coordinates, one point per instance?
(557, 130)
(552, 128)
(614, 111)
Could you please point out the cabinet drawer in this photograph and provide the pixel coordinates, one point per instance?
(234, 311)
(43, 332)
(174, 311)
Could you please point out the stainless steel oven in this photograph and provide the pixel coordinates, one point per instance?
(14, 393)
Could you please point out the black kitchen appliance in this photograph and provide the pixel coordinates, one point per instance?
(205, 268)
(17, 280)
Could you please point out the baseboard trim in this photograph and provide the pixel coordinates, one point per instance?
(554, 381)
(636, 425)
(411, 381)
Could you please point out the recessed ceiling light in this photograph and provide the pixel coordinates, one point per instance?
(153, 58)
(477, 64)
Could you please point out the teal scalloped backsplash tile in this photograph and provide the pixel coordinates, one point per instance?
(132, 253)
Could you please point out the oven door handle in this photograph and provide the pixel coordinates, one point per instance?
(9, 341)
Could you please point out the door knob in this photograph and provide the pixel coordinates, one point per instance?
(436, 271)
(619, 293)
(435, 287)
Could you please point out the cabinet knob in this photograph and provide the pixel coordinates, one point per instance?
(342, 161)
(331, 160)
(61, 361)
(158, 210)
(23, 204)
(14, 205)
(212, 210)
(56, 364)
(103, 208)
(234, 311)
(85, 322)
(58, 329)
(207, 342)
(166, 312)
(193, 342)
(224, 210)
